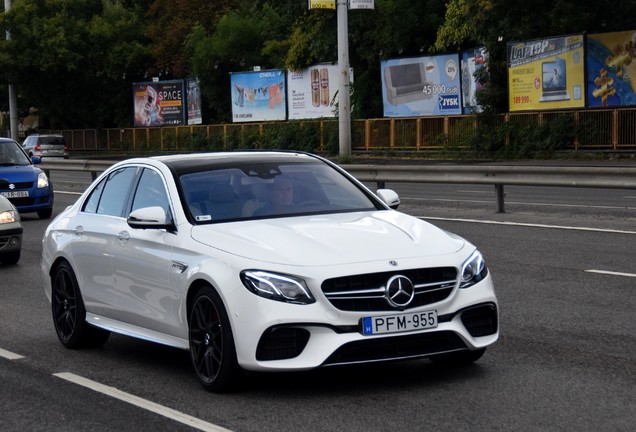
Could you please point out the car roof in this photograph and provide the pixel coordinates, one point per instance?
(185, 163)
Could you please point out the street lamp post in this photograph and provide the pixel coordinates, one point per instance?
(344, 109)
(13, 106)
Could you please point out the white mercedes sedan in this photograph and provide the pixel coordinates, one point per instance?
(262, 261)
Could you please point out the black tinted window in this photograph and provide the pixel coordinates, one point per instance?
(52, 140)
(150, 191)
(90, 206)
(115, 192)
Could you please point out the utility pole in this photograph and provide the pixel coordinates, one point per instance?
(344, 107)
(13, 106)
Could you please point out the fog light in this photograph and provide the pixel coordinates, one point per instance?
(14, 241)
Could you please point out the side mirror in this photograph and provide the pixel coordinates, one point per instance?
(149, 218)
(36, 160)
(390, 198)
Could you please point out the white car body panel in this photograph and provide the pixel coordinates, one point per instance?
(136, 281)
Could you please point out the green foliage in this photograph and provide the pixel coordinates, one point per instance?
(76, 59)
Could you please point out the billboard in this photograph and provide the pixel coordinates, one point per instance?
(546, 73)
(194, 101)
(158, 103)
(258, 96)
(311, 91)
(473, 61)
(421, 86)
(611, 69)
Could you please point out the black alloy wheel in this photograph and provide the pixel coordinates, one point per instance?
(212, 348)
(69, 314)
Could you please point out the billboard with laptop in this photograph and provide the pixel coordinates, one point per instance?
(611, 69)
(422, 86)
(546, 74)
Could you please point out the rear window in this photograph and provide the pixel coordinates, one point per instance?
(52, 140)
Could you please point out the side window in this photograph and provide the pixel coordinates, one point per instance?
(115, 193)
(151, 191)
(90, 206)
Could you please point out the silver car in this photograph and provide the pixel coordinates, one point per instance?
(10, 232)
(46, 146)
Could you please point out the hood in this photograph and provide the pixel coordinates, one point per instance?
(19, 173)
(332, 239)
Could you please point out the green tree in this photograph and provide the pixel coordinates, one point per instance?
(75, 59)
(493, 23)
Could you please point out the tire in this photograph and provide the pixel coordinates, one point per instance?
(69, 314)
(10, 257)
(458, 358)
(45, 214)
(212, 348)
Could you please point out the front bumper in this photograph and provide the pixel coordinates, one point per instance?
(319, 336)
(10, 238)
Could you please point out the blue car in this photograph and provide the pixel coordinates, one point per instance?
(25, 185)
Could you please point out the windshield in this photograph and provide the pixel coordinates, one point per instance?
(271, 190)
(11, 154)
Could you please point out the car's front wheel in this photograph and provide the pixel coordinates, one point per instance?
(212, 347)
(458, 358)
(69, 314)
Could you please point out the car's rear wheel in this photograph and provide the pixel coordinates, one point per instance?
(45, 214)
(212, 347)
(10, 257)
(69, 314)
(458, 358)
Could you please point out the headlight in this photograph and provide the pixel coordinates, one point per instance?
(43, 181)
(278, 287)
(473, 270)
(9, 216)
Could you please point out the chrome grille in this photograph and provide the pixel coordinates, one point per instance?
(366, 292)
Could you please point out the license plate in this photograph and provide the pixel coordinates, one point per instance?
(399, 323)
(15, 194)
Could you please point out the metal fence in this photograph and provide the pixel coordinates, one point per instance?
(610, 129)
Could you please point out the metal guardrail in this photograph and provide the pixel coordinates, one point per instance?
(497, 175)
(94, 167)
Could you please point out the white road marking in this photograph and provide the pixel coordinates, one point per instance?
(491, 222)
(142, 403)
(9, 355)
(612, 273)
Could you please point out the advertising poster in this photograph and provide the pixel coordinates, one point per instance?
(422, 86)
(546, 73)
(194, 102)
(473, 61)
(311, 91)
(611, 69)
(158, 103)
(258, 96)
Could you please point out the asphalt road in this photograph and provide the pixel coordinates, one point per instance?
(564, 270)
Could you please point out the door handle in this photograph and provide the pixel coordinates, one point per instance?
(123, 236)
